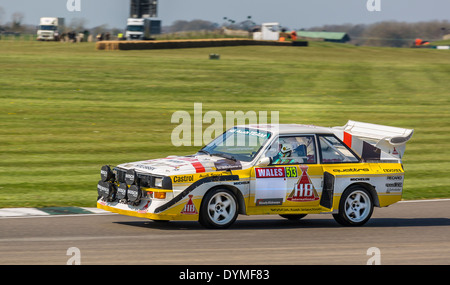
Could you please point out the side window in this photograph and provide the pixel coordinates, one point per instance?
(334, 151)
(293, 150)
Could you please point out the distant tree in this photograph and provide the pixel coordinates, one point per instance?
(77, 24)
(194, 25)
(17, 19)
(2, 15)
(390, 33)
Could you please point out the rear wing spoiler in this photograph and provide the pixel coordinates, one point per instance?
(374, 142)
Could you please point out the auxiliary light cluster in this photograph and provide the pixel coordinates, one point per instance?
(128, 186)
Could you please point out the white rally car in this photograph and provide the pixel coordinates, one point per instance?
(290, 170)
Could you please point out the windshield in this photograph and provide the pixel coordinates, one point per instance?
(47, 28)
(237, 144)
(135, 28)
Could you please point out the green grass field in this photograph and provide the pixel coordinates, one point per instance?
(68, 109)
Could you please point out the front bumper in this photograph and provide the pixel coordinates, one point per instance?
(145, 209)
(137, 194)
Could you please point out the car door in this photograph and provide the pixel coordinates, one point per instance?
(293, 179)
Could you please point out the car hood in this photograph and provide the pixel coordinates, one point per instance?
(176, 165)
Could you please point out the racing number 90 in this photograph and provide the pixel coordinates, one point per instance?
(291, 171)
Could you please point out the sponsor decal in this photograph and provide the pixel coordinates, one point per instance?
(241, 182)
(395, 184)
(270, 172)
(269, 202)
(389, 190)
(392, 170)
(189, 208)
(226, 164)
(276, 172)
(146, 167)
(395, 152)
(359, 179)
(210, 174)
(351, 170)
(291, 209)
(178, 161)
(304, 190)
(394, 178)
(145, 208)
(183, 179)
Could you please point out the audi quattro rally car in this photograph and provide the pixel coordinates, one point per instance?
(290, 170)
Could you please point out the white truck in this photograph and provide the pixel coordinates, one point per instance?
(269, 32)
(142, 28)
(50, 29)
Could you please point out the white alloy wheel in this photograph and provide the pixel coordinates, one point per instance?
(219, 209)
(355, 207)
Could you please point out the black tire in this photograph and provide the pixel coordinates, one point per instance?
(355, 207)
(219, 209)
(293, 217)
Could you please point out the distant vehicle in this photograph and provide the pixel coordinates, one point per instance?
(269, 32)
(50, 29)
(142, 28)
(290, 170)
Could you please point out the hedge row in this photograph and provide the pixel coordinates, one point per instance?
(173, 44)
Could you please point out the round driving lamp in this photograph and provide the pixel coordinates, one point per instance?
(106, 173)
(122, 191)
(130, 177)
(134, 193)
(105, 189)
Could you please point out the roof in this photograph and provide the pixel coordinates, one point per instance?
(290, 128)
(322, 35)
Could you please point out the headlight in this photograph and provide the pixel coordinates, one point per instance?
(158, 182)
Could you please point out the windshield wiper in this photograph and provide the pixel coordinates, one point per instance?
(225, 155)
(204, 151)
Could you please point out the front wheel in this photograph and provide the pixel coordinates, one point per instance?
(355, 207)
(219, 209)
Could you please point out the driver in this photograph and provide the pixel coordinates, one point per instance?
(284, 153)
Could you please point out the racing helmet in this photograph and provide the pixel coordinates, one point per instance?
(285, 150)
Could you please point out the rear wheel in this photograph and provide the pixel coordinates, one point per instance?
(219, 209)
(355, 207)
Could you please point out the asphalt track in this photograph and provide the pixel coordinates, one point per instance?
(406, 233)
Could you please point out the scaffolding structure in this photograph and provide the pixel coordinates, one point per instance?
(143, 8)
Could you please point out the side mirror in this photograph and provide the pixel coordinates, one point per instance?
(264, 161)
